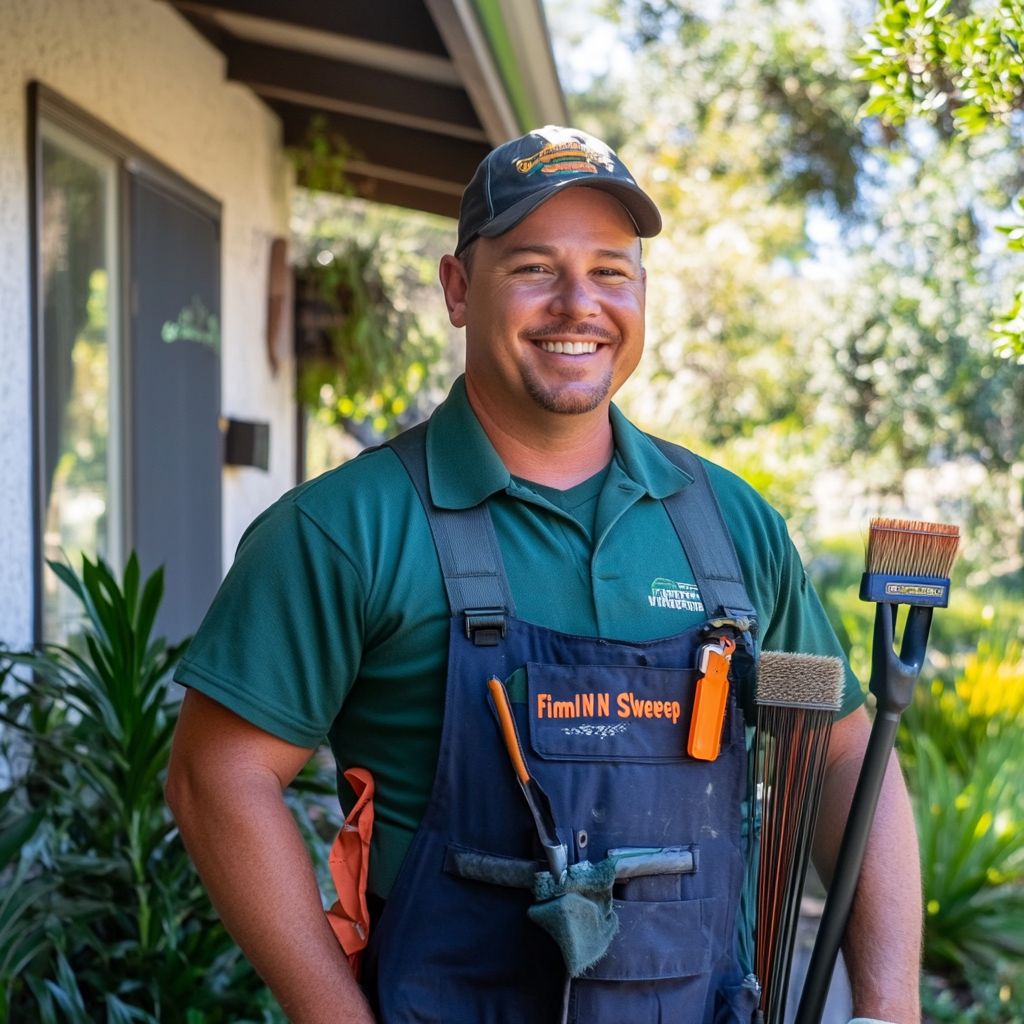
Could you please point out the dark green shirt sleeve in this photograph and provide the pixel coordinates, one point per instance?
(281, 643)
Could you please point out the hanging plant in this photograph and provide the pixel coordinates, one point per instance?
(362, 353)
(360, 356)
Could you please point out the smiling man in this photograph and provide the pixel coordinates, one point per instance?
(499, 615)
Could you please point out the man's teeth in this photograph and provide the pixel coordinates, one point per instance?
(569, 348)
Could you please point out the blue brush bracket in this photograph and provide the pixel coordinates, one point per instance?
(920, 591)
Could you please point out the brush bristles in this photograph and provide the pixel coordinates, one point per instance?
(800, 680)
(907, 547)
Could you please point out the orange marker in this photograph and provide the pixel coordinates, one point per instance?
(709, 701)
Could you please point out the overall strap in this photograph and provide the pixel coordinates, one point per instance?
(467, 548)
(697, 518)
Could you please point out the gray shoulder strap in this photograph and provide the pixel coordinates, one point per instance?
(467, 548)
(697, 518)
(474, 576)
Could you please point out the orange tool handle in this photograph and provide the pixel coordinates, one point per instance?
(709, 702)
(508, 728)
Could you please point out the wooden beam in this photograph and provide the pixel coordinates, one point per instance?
(402, 23)
(406, 150)
(349, 88)
(380, 190)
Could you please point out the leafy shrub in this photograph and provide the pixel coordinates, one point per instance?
(990, 999)
(102, 915)
(971, 830)
(963, 750)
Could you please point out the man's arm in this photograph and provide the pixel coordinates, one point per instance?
(224, 788)
(882, 948)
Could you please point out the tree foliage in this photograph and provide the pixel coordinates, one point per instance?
(960, 67)
(821, 293)
(369, 356)
(957, 64)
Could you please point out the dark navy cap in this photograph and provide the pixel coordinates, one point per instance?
(514, 179)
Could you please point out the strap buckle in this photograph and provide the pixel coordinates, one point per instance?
(485, 626)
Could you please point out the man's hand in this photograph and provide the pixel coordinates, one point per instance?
(882, 949)
(224, 788)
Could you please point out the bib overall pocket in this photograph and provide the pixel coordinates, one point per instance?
(656, 969)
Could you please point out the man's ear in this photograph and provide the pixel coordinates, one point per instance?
(455, 284)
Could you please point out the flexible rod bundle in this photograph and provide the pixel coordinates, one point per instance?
(797, 698)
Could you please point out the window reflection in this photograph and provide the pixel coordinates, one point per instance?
(79, 316)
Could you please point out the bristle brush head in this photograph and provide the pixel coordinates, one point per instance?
(909, 547)
(800, 680)
(909, 562)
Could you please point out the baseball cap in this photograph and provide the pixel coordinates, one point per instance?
(516, 177)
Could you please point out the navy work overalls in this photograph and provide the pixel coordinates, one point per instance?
(604, 728)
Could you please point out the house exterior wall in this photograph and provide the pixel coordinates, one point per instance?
(139, 68)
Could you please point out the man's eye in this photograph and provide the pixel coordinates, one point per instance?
(610, 272)
(531, 268)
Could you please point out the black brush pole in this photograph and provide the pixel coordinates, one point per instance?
(892, 683)
(847, 870)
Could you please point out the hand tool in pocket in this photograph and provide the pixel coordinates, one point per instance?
(536, 798)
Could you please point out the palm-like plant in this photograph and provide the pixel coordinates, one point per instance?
(103, 916)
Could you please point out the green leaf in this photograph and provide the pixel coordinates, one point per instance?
(15, 834)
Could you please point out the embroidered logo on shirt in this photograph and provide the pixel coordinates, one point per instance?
(666, 593)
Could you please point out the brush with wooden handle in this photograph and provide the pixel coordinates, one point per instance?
(908, 563)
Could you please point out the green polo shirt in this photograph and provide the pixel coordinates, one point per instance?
(333, 620)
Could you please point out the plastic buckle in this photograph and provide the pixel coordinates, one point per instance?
(485, 626)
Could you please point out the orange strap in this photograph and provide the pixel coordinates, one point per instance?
(350, 863)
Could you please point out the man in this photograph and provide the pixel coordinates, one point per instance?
(531, 536)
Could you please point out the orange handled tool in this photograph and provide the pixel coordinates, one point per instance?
(710, 699)
(536, 798)
(508, 729)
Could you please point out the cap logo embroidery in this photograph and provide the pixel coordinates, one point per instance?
(575, 157)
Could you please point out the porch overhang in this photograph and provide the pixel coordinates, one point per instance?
(420, 90)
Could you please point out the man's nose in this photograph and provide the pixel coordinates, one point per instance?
(575, 297)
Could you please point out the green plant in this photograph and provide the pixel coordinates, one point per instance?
(363, 353)
(971, 830)
(995, 998)
(963, 751)
(102, 914)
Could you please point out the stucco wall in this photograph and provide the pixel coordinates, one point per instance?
(138, 67)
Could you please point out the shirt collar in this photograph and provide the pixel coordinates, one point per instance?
(643, 461)
(464, 469)
(462, 466)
